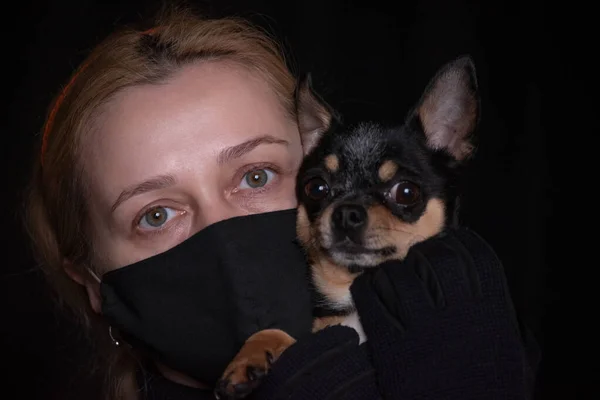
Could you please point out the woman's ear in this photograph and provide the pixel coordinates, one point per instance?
(87, 280)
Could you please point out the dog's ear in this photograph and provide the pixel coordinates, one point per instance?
(449, 108)
(314, 115)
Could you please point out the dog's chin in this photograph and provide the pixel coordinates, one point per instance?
(356, 258)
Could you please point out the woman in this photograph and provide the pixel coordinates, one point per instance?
(174, 151)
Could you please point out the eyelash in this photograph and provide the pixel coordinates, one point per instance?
(245, 192)
(253, 167)
(157, 231)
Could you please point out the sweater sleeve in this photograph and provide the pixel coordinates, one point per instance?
(325, 365)
(441, 324)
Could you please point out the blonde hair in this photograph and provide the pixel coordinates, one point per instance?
(56, 215)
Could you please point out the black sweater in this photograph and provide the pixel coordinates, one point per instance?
(440, 326)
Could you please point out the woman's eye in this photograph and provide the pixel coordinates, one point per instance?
(156, 217)
(256, 178)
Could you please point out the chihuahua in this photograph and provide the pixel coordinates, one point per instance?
(366, 194)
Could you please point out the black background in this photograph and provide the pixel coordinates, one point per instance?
(369, 60)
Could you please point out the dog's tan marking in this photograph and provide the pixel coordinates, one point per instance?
(332, 281)
(323, 232)
(255, 353)
(324, 322)
(332, 163)
(303, 226)
(384, 229)
(387, 170)
(313, 235)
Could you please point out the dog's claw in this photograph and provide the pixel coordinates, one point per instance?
(220, 391)
(251, 364)
(226, 391)
(255, 373)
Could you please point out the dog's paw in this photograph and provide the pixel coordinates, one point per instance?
(242, 377)
(252, 364)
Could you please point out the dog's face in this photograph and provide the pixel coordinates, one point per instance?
(368, 192)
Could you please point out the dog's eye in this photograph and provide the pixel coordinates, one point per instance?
(316, 189)
(405, 193)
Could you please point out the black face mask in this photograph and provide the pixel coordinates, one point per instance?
(193, 306)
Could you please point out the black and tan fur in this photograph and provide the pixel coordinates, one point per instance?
(367, 193)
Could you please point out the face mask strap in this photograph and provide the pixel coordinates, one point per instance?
(94, 275)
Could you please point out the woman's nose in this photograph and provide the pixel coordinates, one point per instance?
(211, 212)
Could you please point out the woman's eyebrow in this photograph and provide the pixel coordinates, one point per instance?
(239, 150)
(155, 183)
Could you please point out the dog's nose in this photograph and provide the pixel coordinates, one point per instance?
(349, 218)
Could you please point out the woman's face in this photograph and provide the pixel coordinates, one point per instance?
(211, 143)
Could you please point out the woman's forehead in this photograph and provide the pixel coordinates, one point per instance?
(200, 110)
